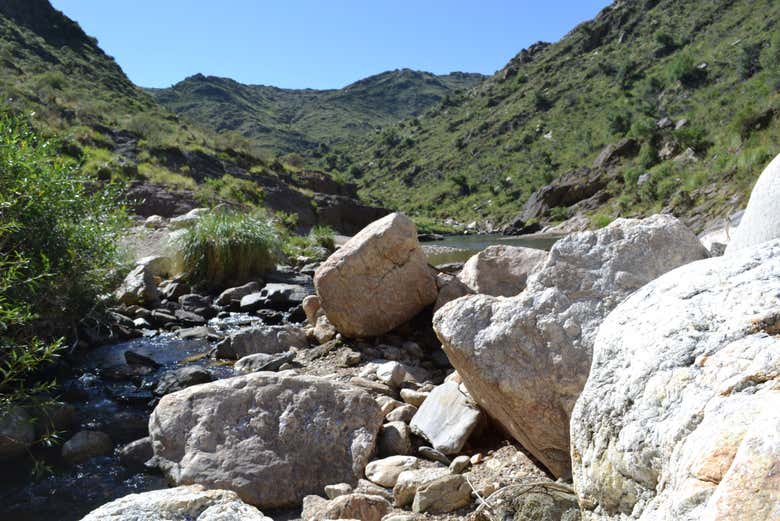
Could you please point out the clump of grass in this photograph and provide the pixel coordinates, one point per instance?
(225, 248)
(317, 245)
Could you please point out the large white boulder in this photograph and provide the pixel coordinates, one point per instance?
(680, 418)
(376, 281)
(271, 438)
(525, 359)
(761, 221)
(501, 270)
(189, 503)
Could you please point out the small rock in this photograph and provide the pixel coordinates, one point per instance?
(350, 506)
(261, 339)
(395, 437)
(364, 486)
(408, 481)
(263, 362)
(446, 418)
(85, 445)
(154, 222)
(189, 318)
(136, 453)
(231, 295)
(339, 489)
(374, 387)
(404, 414)
(385, 472)
(387, 404)
(391, 373)
(413, 397)
(443, 495)
(17, 433)
(414, 349)
(179, 379)
(460, 464)
(311, 306)
(477, 458)
(324, 330)
(432, 454)
(133, 358)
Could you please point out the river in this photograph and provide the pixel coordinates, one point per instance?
(458, 248)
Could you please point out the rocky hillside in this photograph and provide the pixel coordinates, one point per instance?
(308, 120)
(50, 69)
(686, 92)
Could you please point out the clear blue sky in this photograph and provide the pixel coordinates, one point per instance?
(317, 43)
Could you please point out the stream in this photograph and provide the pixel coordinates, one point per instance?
(458, 248)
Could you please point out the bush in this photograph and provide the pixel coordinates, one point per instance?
(229, 188)
(225, 248)
(600, 220)
(684, 70)
(58, 253)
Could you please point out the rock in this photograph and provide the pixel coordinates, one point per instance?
(460, 464)
(190, 503)
(252, 302)
(376, 281)
(432, 454)
(154, 222)
(187, 220)
(283, 296)
(193, 301)
(350, 506)
(525, 359)
(538, 501)
(761, 221)
(391, 373)
(681, 413)
(273, 439)
(387, 404)
(136, 453)
(194, 333)
(395, 437)
(261, 339)
(178, 379)
(450, 288)
(231, 295)
(17, 433)
(339, 489)
(172, 290)
(189, 318)
(567, 190)
(413, 397)
(139, 287)
(85, 445)
(371, 386)
(364, 486)
(324, 331)
(385, 472)
(501, 270)
(263, 362)
(446, 419)
(405, 413)
(311, 306)
(133, 358)
(609, 154)
(442, 495)
(409, 481)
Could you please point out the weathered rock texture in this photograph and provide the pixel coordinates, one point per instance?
(501, 271)
(761, 221)
(378, 280)
(446, 418)
(364, 507)
(525, 359)
(268, 340)
(273, 439)
(191, 503)
(680, 418)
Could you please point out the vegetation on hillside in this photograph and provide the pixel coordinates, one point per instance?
(552, 109)
(58, 253)
(307, 121)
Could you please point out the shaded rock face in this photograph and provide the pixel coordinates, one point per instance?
(761, 221)
(680, 418)
(525, 359)
(567, 190)
(377, 281)
(272, 439)
(189, 503)
(501, 271)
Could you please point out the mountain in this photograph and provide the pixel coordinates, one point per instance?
(653, 105)
(58, 76)
(282, 121)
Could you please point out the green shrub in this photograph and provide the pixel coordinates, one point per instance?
(229, 188)
(683, 69)
(58, 253)
(225, 248)
(600, 220)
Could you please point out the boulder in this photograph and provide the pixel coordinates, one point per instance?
(85, 445)
(349, 506)
(139, 287)
(135, 454)
(311, 307)
(442, 495)
(338, 489)
(501, 270)
(187, 220)
(761, 221)
(450, 288)
(261, 339)
(409, 481)
(681, 413)
(404, 414)
(376, 281)
(446, 418)
(189, 503)
(525, 359)
(273, 439)
(17, 433)
(263, 362)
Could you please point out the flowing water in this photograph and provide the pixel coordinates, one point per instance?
(458, 248)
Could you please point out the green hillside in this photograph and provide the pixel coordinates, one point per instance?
(297, 120)
(480, 155)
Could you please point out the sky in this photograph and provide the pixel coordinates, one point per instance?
(318, 43)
